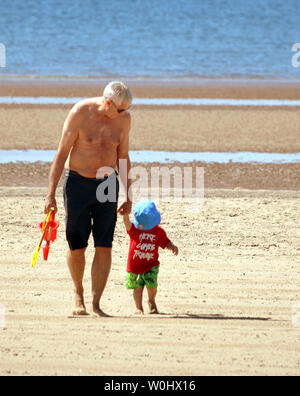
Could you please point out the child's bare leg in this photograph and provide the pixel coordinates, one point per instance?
(138, 299)
(151, 300)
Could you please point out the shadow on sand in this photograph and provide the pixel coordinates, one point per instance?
(212, 317)
(183, 316)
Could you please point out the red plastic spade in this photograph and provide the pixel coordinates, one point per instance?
(50, 234)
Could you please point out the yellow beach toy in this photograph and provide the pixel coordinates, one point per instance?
(46, 222)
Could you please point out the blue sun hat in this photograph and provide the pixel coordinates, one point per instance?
(146, 215)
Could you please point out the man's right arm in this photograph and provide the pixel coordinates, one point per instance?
(68, 139)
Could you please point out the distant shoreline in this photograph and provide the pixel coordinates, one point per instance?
(150, 80)
(152, 88)
(187, 78)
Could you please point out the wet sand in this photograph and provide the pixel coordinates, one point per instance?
(226, 301)
(228, 176)
(191, 129)
(178, 128)
(161, 88)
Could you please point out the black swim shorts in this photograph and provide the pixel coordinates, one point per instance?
(87, 211)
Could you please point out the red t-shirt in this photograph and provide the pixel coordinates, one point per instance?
(143, 250)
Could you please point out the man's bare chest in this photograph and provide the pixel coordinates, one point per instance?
(95, 133)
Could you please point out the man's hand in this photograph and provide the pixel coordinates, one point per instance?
(125, 208)
(50, 203)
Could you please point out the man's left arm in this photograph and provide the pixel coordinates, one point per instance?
(124, 166)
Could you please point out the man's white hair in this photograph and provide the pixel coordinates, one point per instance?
(119, 93)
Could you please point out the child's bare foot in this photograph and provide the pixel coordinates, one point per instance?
(152, 308)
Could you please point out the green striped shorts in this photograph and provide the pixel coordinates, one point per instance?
(149, 279)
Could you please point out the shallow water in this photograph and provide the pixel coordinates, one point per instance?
(164, 157)
(44, 100)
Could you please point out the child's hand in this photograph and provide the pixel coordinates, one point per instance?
(127, 222)
(173, 248)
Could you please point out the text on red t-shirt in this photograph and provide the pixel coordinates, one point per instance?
(143, 251)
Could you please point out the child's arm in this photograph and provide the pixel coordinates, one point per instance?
(173, 248)
(127, 222)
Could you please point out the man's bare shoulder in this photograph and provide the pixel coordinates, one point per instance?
(126, 115)
(83, 105)
(126, 119)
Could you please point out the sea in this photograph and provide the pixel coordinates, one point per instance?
(168, 39)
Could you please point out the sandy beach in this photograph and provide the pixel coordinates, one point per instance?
(226, 302)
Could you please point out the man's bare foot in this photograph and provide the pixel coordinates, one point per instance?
(152, 308)
(139, 312)
(98, 313)
(79, 309)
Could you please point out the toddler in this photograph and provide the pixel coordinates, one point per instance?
(146, 237)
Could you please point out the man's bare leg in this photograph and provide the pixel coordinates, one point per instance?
(100, 272)
(76, 263)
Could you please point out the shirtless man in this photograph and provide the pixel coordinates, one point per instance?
(95, 138)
